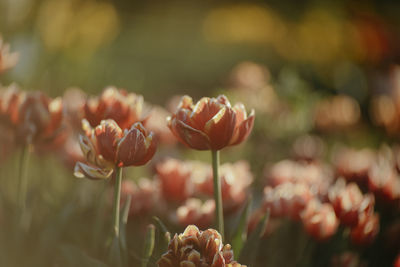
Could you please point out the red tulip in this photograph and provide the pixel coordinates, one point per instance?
(319, 220)
(210, 124)
(107, 146)
(35, 118)
(349, 203)
(119, 105)
(194, 211)
(366, 230)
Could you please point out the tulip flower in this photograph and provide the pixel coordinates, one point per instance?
(119, 105)
(35, 121)
(198, 248)
(107, 148)
(211, 124)
(319, 220)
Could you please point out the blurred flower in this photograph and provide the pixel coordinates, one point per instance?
(318, 177)
(156, 123)
(175, 179)
(235, 180)
(308, 148)
(144, 196)
(7, 60)
(366, 230)
(194, 211)
(74, 100)
(286, 200)
(198, 248)
(248, 75)
(353, 164)
(384, 181)
(108, 146)
(396, 262)
(319, 220)
(70, 152)
(385, 108)
(119, 105)
(336, 113)
(347, 259)
(211, 124)
(34, 117)
(349, 203)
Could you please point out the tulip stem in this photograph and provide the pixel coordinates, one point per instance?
(117, 196)
(217, 193)
(23, 181)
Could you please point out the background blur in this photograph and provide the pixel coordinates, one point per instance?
(190, 47)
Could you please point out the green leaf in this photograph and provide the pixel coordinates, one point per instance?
(250, 248)
(240, 236)
(164, 230)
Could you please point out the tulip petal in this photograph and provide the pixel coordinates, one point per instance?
(131, 148)
(203, 111)
(243, 130)
(190, 136)
(221, 128)
(107, 135)
(82, 170)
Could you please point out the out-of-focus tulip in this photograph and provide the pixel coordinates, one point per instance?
(384, 182)
(107, 146)
(7, 60)
(175, 179)
(235, 180)
(308, 148)
(194, 211)
(119, 105)
(286, 199)
(396, 262)
(337, 113)
(319, 220)
(347, 259)
(74, 100)
(144, 196)
(366, 230)
(210, 124)
(156, 123)
(353, 164)
(349, 203)
(35, 118)
(198, 249)
(317, 176)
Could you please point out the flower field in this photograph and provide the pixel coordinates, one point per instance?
(273, 144)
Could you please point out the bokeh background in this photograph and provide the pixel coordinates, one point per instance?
(287, 59)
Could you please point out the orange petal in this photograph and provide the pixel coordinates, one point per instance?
(107, 136)
(190, 136)
(243, 130)
(132, 147)
(221, 128)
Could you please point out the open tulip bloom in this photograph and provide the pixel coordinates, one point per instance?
(108, 148)
(211, 124)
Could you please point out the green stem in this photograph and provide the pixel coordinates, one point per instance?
(217, 193)
(117, 196)
(22, 180)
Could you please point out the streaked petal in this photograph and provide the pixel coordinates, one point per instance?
(82, 170)
(190, 136)
(107, 136)
(243, 130)
(221, 128)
